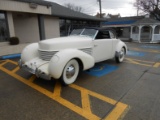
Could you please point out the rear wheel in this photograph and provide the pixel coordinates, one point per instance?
(120, 57)
(70, 72)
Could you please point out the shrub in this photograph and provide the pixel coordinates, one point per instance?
(14, 40)
(130, 39)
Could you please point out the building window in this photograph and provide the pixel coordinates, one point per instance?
(146, 29)
(66, 25)
(157, 30)
(4, 36)
(135, 30)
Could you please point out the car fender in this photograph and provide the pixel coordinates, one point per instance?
(29, 52)
(60, 59)
(119, 45)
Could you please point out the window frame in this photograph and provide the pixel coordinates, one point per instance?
(7, 27)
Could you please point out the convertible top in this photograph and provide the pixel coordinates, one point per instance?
(103, 29)
(100, 28)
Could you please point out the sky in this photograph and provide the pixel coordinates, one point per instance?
(91, 7)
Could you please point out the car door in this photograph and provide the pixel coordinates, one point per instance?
(102, 46)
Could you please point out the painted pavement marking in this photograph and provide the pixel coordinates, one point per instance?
(157, 56)
(135, 53)
(100, 70)
(143, 62)
(142, 50)
(117, 112)
(143, 53)
(151, 47)
(156, 65)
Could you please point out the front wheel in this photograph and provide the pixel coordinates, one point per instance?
(120, 57)
(70, 72)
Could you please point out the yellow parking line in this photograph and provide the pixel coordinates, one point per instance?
(144, 61)
(156, 65)
(142, 50)
(77, 109)
(85, 111)
(138, 62)
(104, 98)
(85, 100)
(25, 81)
(116, 113)
(12, 62)
(2, 60)
(32, 78)
(3, 63)
(57, 90)
(15, 70)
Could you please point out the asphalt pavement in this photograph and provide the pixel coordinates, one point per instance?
(109, 91)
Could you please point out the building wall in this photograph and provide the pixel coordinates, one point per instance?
(26, 27)
(52, 28)
(10, 24)
(8, 5)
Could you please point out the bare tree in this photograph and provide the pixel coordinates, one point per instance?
(151, 7)
(74, 7)
(102, 15)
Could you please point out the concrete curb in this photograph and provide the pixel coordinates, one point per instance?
(11, 56)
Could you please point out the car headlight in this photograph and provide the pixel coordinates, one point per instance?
(20, 63)
(55, 59)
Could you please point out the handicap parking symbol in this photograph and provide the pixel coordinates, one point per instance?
(101, 69)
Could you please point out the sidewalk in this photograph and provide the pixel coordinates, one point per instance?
(12, 49)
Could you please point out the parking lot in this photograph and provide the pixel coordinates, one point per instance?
(109, 91)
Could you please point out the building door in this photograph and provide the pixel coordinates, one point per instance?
(146, 34)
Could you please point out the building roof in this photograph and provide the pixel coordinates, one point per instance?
(122, 21)
(128, 21)
(125, 18)
(113, 16)
(39, 2)
(63, 12)
(146, 21)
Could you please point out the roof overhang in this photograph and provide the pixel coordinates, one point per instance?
(121, 23)
(117, 25)
(21, 6)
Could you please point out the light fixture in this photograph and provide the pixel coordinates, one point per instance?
(33, 5)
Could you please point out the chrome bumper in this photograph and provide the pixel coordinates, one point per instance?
(35, 71)
(25, 67)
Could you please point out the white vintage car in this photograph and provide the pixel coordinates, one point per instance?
(64, 57)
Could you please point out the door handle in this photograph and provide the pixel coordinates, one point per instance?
(95, 45)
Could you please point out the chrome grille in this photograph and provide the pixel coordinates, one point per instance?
(87, 50)
(46, 55)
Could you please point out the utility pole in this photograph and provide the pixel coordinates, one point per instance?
(100, 9)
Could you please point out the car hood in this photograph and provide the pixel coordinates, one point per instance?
(56, 44)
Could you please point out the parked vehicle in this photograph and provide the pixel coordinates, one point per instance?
(64, 57)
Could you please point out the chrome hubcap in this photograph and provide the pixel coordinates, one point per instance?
(121, 54)
(70, 71)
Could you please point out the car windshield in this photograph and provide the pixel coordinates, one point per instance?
(84, 32)
(89, 32)
(76, 32)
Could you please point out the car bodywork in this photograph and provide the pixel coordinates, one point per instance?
(48, 58)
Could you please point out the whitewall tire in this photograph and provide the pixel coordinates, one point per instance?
(70, 72)
(120, 57)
